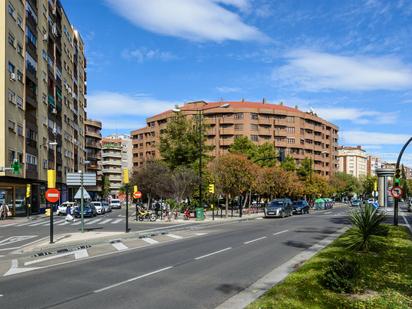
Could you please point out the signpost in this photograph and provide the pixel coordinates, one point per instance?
(126, 184)
(52, 195)
(396, 192)
(137, 194)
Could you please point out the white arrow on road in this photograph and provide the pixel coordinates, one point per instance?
(14, 239)
(15, 269)
(78, 254)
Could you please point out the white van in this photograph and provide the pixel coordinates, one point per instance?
(115, 203)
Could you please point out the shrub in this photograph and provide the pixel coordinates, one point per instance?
(367, 221)
(341, 275)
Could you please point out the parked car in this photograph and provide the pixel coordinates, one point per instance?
(99, 207)
(328, 203)
(62, 208)
(300, 207)
(281, 207)
(355, 203)
(88, 211)
(115, 203)
(106, 207)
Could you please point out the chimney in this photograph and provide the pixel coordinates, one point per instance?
(263, 100)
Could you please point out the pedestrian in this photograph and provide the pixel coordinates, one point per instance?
(157, 208)
(4, 211)
(69, 216)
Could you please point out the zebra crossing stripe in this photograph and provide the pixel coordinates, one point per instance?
(93, 221)
(150, 240)
(174, 236)
(38, 223)
(77, 223)
(64, 223)
(119, 246)
(105, 221)
(116, 221)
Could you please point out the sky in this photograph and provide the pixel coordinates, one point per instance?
(349, 61)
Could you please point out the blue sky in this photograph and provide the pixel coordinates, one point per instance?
(348, 60)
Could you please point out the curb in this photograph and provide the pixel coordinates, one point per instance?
(277, 275)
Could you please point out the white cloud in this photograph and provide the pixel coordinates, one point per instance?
(143, 54)
(372, 138)
(313, 71)
(196, 20)
(356, 115)
(123, 111)
(225, 89)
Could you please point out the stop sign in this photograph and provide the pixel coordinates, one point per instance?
(52, 195)
(137, 194)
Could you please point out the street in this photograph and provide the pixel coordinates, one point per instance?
(189, 272)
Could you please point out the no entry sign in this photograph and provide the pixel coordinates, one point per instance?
(137, 194)
(52, 195)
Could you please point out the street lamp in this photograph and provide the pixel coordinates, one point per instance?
(200, 115)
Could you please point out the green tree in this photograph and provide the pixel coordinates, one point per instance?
(345, 184)
(305, 168)
(180, 142)
(368, 184)
(243, 145)
(184, 181)
(265, 155)
(105, 186)
(404, 183)
(289, 164)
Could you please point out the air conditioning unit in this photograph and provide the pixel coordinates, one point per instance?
(12, 76)
(54, 111)
(45, 37)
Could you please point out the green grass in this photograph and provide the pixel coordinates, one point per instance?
(385, 277)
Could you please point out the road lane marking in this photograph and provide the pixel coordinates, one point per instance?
(328, 213)
(120, 246)
(93, 221)
(212, 253)
(13, 239)
(257, 239)
(15, 269)
(78, 254)
(150, 240)
(281, 232)
(407, 223)
(105, 221)
(116, 221)
(200, 234)
(77, 223)
(174, 236)
(132, 279)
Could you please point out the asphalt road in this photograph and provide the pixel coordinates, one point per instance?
(199, 272)
(21, 232)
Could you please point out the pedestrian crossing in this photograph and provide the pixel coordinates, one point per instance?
(63, 222)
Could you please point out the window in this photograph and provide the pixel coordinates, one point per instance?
(254, 127)
(30, 159)
(12, 96)
(19, 76)
(11, 39)
(10, 9)
(11, 67)
(19, 49)
(20, 130)
(12, 155)
(238, 127)
(254, 138)
(290, 130)
(290, 140)
(254, 116)
(238, 116)
(12, 126)
(45, 164)
(19, 102)
(290, 119)
(30, 36)
(20, 21)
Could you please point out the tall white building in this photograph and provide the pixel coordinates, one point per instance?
(127, 147)
(353, 161)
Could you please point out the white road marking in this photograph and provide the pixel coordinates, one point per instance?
(407, 223)
(105, 221)
(174, 236)
(38, 223)
(78, 254)
(132, 279)
(93, 221)
(328, 213)
(119, 246)
(150, 240)
(14, 269)
(13, 239)
(77, 223)
(1, 295)
(64, 223)
(200, 234)
(212, 253)
(116, 221)
(6, 225)
(260, 218)
(281, 232)
(257, 239)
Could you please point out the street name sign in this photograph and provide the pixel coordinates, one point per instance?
(74, 179)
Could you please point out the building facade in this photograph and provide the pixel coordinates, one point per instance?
(112, 164)
(293, 132)
(374, 162)
(127, 147)
(94, 155)
(43, 89)
(353, 161)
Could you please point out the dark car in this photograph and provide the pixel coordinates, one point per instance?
(300, 207)
(88, 211)
(356, 203)
(281, 207)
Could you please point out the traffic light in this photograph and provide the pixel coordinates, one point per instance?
(212, 188)
(125, 176)
(397, 180)
(16, 167)
(28, 190)
(51, 179)
(135, 189)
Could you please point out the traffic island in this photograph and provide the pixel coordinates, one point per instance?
(337, 277)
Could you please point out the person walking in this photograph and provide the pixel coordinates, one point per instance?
(4, 211)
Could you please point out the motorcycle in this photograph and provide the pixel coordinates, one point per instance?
(143, 214)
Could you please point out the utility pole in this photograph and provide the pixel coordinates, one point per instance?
(126, 183)
(200, 115)
(82, 199)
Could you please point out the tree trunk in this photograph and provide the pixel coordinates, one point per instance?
(227, 207)
(149, 201)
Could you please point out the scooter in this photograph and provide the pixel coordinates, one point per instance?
(143, 214)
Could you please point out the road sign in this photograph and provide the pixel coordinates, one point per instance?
(78, 195)
(74, 179)
(52, 195)
(396, 192)
(137, 194)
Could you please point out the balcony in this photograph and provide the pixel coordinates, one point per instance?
(111, 154)
(93, 134)
(226, 141)
(112, 162)
(227, 131)
(265, 132)
(112, 170)
(265, 121)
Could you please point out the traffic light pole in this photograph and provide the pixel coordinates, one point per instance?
(127, 208)
(51, 221)
(82, 200)
(397, 176)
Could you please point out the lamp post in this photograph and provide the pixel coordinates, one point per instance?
(200, 112)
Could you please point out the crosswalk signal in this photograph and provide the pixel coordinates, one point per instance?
(28, 190)
(212, 188)
(16, 167)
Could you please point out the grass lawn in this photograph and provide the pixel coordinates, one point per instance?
(385, 279)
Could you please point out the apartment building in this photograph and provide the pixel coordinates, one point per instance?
(373, 163)
(112, 163)
(406, 169)
(353, 161)
(94, 155)
(293, 132)
(43, 86)
(127, 147)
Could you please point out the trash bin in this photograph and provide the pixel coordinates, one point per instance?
(200, 214)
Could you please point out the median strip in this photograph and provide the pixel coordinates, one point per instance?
(257, 239)
(132, 279)
(213, 253)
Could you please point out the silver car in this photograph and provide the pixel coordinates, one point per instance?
(106, 207)
(281, 207)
